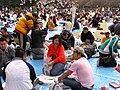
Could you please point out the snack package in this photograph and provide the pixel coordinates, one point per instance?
(115, 84)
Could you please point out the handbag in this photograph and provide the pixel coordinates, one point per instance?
(106, 59)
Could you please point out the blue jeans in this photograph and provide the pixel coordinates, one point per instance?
(73, 84)
(57, 69)
(0, 77)
(1, 84)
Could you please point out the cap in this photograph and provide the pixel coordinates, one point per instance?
(107, 31)
(81, 51)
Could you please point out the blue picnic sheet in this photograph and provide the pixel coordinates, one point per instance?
(102, 75)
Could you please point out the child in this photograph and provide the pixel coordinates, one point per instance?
(107, 36)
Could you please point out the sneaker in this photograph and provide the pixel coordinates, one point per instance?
(37, 81)
(98, 63)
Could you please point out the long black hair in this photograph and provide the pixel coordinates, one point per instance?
(56, 36)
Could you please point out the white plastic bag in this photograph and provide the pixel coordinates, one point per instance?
(77, 41)
(46, 69)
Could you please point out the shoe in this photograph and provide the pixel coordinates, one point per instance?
(33, 88)
(37, 81)
(98, 63)
(31, 56)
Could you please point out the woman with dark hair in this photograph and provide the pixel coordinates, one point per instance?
(56, 57)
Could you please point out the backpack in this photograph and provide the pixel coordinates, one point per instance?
(89, 49)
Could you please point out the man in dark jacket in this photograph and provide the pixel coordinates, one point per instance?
(95, 20)
(76, 25)
(6, 55)
(87, 35)
(37, 39)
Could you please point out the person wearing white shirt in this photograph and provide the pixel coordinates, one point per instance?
(19, 73)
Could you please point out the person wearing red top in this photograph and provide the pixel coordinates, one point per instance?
(56, 57)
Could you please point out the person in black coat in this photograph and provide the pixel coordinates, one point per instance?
(76, 25)
(37, 39)
(87, 35)
(95, 21)
(68, 39)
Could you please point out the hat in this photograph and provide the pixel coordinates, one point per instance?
(117, 29)
(107, 31)
(81, 51)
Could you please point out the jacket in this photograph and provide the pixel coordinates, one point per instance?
(37, 38)
(18, 75)
(69, 42)
(109, 46)
(7, 55)
(50, 25)
(25, 24)
(88, 35)
(57, 53)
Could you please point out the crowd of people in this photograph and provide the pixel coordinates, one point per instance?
(13, 47)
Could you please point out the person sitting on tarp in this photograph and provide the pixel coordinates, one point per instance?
(107, 36)
(56, 57)
(80, 74)
(108, 50)
(19, 74)
(37, 39)
(111, 27)
(68, 39)
(50, 24)
(87, 35)
(95, 21)
(76, 25)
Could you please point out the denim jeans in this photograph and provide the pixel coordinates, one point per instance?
(73, 84)
(57, 69)
(38, 53)
(0, 77)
